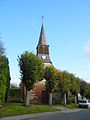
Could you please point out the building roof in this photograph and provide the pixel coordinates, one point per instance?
(42, 38)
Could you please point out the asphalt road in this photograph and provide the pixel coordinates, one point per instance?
(81, 115)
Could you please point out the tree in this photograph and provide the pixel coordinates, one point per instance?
(4, 74)
(83, 85)
(88, 90)
(2, 49)
(64, 84)
(75, 86)
(3, 78)
(50, 76)
(8, 79)
(31, 69)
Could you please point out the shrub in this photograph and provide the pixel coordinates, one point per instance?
(14, 92)
(14, 95)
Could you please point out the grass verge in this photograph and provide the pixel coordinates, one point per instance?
(72, 106)
(12, 109)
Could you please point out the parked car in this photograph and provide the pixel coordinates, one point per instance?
(84, 103)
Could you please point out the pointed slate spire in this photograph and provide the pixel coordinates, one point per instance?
(42, 38)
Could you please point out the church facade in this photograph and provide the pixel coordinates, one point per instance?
(38, 94)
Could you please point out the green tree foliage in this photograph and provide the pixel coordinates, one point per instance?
(14, 95)
(4, 75)
(50, 76)
(14, 92)
(85, 89)
(64, 82)
(8, 80)
(31, 69)
(56, 81)
(88, 90)
(83, 85)
(3, 78)
(75, 84)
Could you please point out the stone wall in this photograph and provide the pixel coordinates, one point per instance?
(57, 98)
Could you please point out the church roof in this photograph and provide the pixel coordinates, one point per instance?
(42, 38)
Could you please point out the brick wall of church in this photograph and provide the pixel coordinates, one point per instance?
(39, 87)
(35, 93)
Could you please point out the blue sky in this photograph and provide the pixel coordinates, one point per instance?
(67, 29)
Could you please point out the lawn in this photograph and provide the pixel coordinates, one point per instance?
(12, 109)
(72, 106)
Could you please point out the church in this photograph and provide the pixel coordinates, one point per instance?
(38, 94)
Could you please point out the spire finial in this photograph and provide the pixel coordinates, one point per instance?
(42, 19)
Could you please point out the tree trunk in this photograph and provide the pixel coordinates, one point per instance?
(6, 96)
(65, 99)
(50, 99)
(75, 99)
(28, 98)
(82, 97)
(1, 109)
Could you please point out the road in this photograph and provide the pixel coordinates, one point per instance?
(81, 115)
(63, 114)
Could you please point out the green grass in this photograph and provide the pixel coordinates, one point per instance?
(72, 106)
(12, 109)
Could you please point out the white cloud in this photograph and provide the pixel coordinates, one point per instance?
(87, 48)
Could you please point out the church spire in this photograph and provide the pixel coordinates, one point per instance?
(42, 38)
(43, 48)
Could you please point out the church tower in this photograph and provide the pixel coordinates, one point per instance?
(43, 48)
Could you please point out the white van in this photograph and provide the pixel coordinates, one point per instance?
(84, 103)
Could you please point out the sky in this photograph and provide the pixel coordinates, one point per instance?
(67, 29)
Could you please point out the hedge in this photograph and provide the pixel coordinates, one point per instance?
(14, 95)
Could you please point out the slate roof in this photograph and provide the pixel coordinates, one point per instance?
(42, 38)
